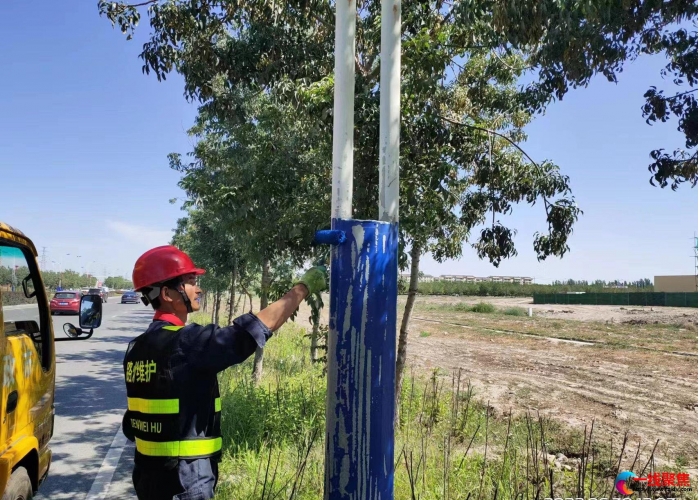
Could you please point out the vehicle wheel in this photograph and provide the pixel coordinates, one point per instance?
(19, 487)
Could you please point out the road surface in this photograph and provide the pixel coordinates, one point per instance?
(91, 458)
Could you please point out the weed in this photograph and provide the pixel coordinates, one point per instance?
(483, 307)
(515, 311)
(425, 334)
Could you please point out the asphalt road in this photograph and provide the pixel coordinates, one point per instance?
(91, 458)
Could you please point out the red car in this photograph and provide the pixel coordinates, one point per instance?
(65, 302)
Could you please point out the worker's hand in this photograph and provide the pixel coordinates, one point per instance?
(315, 279)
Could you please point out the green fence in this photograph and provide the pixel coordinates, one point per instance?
(620, 299)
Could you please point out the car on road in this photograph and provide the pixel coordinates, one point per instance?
(98, 291)
(65, 302)
(130, 298)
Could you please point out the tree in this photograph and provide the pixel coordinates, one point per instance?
(259, 173)
(263, 73)
(200, 234)
(118, 283)
(570, 42)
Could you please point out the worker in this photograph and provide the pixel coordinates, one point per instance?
(174, 410)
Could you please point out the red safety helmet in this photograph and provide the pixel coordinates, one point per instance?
(162, 264)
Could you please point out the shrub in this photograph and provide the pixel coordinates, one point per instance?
(16, 298)
(483, 307)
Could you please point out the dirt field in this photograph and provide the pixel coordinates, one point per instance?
(629, 368)
(614, 314)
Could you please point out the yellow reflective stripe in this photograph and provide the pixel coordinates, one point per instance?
(163, 406)
(172, 328)
(190, 448)
(217, 404)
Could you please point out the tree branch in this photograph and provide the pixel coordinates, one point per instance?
(140, 4)
(358, 67)
(491, 132)
(678, 95)
(683, 160)
(322, 21)
(547, 204)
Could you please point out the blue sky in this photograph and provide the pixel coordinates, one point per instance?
(84, 138)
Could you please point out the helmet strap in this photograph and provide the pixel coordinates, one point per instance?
(181, 290)
(185, 298)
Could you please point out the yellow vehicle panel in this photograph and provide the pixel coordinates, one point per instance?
(26, 382)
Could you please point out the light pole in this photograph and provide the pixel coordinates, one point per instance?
(363, 286)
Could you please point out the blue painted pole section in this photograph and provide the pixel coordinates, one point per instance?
(330, 237)
(362, 362)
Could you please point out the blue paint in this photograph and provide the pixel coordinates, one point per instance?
(330, 237)
(361, 362)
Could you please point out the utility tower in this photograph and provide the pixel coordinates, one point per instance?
(43, 259)
(695, 249)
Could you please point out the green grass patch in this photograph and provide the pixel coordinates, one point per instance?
(425, 334)
(515, 311)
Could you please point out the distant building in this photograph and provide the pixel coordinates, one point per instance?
(679, 283)
(467, 278)
(456, 277)
(520, 280)
(424, 278)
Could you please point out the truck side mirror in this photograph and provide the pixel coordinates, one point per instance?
(90, 316)
(25, 287)
(90, 311)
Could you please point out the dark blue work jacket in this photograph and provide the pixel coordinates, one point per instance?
(173, 402)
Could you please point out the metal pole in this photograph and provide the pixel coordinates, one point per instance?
(363, 287)
(361, 363)
(343, 109)
(390, 111)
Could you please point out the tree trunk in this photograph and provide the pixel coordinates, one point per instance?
(231, 295)
(403, 333)
(314, 340)
(238, 303)
(217, 307)
(250, 299)
(213, 309)
(264, 285)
